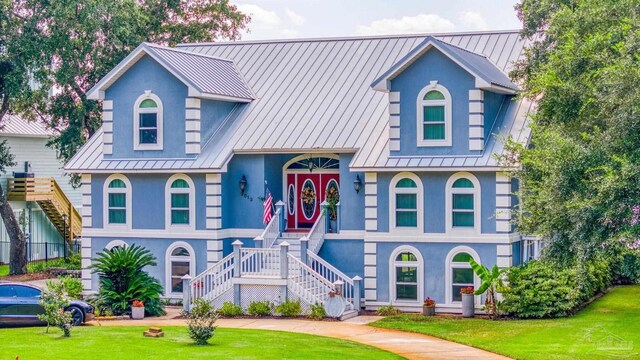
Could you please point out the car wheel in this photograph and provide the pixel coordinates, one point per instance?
(77, 317)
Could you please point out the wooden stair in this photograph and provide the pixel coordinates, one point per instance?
(52, 200)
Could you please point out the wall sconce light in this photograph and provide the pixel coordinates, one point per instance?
(357, 184)
(243, 185)
(310, 164)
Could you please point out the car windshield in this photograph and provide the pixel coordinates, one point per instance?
(26, 291)
(7, 291)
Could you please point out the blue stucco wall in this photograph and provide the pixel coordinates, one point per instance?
(351, 203)
(147, 74)
(434, 184)
(212, 115)
(434, 256)
(346, 255)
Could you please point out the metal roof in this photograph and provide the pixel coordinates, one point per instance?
(14, 125)
(314, 95)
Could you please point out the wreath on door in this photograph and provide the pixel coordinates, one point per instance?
(308, 197)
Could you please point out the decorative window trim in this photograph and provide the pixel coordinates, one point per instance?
(167, 268)
(192, 202)
(392, 278)
(116, 243)
(477, 209)
(136, 122)
(420, 103)
(448, 270)
(105, 202)
(419, 202)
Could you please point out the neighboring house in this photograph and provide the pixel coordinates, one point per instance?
(28, 143)
(404, 128)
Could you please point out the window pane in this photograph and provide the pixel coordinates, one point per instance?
(176, 285)
(462, 257)
(180, 251)
(455, 291)
(406, 256)
(434, 113)
(406, 218)
(406, 201)
(117, 216)
(26, 292)
(180, 201)
(434, 95)
(463, 201)
(179, 268)
(148, 120)
(407, 292)
(179, 216)
(117, 200)
(407, 274)
(462, 276)
(463, 183)
(463, 219)
(148, 103)
(148, 136)
(117, 184)
(180, 184)
(434, 131)
(406, 183)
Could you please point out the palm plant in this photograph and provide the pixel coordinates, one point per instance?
(123, 280)
(491, 284)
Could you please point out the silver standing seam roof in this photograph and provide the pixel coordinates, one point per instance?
(315, 95)
(14, 125)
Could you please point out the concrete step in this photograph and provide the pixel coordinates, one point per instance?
(348, 314)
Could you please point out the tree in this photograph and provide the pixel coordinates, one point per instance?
(491, 285)
(580, 178)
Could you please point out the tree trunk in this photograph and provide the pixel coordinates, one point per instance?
(18, 247)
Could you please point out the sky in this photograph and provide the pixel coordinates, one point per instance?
(281, 19)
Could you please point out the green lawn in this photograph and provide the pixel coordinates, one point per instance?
(4, 270)
(584, 336)
(93, 342)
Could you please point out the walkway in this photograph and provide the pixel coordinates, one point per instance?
(408, 345)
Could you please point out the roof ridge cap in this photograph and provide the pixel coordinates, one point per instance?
(186, 52)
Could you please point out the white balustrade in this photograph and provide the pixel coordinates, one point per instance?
(260, 262)
(306, 283)
(316, 234)
(214, 281)
(272, 231)
(332, 274)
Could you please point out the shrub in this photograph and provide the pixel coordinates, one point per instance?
(229, 309)
(387, 310)
(317, 312)
(200, 321)
(123, 280)
(54, 300)
(289, 308)
(71, 286)
(72, 262)
(260, 308)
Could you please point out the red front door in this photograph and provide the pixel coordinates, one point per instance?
(305, 193)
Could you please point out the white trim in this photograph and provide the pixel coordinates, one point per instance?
(448, 274)
(159, 121)
(419, 264)
(192, 202)
(173, 233)
(419, 192)
(169, 259)
(116, 243)
(477, 207)
(421, 103)
(128, 190)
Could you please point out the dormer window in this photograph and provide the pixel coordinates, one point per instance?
(147, 121)
(434, 116)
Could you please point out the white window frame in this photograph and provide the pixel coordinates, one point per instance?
(169, 259)
(448, 271)
(168, 190)
(421, 103)
(106, 190)
(116, 243)
(419, 191)
(477, 209)
(136, 121)
(393, 264)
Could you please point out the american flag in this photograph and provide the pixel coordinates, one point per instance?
(268, 205)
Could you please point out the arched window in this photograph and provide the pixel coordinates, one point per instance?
(463, 203)
(405, 275)
(117, 201)
(180, 200)
(114, 244)
(147, 121)
(406, 202)
(180, 261)
(459, 274)
(434, 116)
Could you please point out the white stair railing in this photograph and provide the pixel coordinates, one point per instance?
(332, 274)
(272, 231)
(214, 281)
(306, 283)
(260, 262)
(316, 234)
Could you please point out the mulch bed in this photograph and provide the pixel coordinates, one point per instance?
(28, 277)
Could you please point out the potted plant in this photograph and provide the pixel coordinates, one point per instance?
(137, 310)
(468, 297)
(333, 197)
(429, 307)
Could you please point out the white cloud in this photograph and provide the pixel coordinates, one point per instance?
(473, 21)
(421, 23)
(290, 33)
(260, 18)
(296, 19)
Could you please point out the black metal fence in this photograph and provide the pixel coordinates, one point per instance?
(42, 251)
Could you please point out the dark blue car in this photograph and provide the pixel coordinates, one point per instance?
(20, 305)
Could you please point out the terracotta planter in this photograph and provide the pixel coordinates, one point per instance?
(468, 305)
(428, 310)
(137, 313)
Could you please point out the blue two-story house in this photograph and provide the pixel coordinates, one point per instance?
(379, 153)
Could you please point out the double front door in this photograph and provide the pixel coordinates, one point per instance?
(305, 192)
